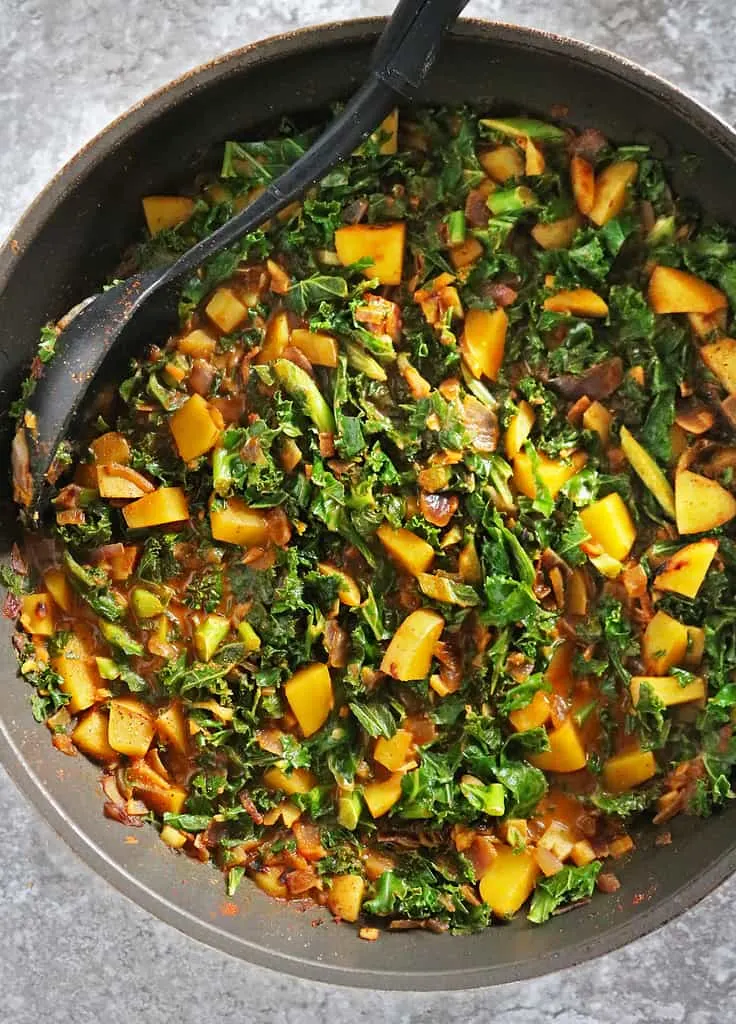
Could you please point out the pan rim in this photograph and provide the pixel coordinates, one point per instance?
(20, 771)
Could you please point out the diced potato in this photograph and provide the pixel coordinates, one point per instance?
(37, 614)
(194, 428)
(606, 565)
(409, 654)
(111, 447)
(309, 693)
(676, 291)
(122, 564)
(609, 523)
(349, 592)
(664, 644)
(118, 481)
(276, 338)
(582, 853)
(668, 689)
(79, 675)
(237, 523)
(502, 163)
(268, 879)
(534, 162)
(173, 837)
(578, 302)
(701, 503)
(413, 554)
(519, 429)
(197, 344)
(60, 589)
(597, 418)
(554, 473)
(684, 572)
(509, 881)
(576, 592)
(720, 358)
(301, 780)
(704, 325)
(648, 471)
(695, 646)
(558, 234)
(225, 310)
(394, 752)
(464, 254)
(468, 563)
(611, 190)
(582, 177)
(320, 349)
(624, 771)
(483, 341)
(90, 735)
(383, 243)
(131, 728)
(168, 800)
(166, 211)
(171, 726)
(567, 751)
(165, 505)
(380, 797)
(345, 897)
(534, 715)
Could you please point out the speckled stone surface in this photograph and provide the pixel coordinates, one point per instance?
(72, 947)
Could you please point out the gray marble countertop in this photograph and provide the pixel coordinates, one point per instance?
(73, 948)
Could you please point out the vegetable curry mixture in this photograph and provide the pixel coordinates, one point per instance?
(403, 577)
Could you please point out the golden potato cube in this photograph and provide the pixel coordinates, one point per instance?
(677, 291)
(37, 614)
(171, 726)
(225, 310)
(554, 473)
(320, 349)
(60, 589)
(90, 735)
(268, 879)
(668, 689)
(382, 243)
(534, 715)
(309, 693)
(509, 881)
(276, 338)
(582, 179)
(410, 651)
(111, 447)
(197, 344)
(167, 800)
(609, 523)
(301, 780)
(115, 481)
(578, 302)
(164, 505)
(194, 428)
(598, 419)
(567, 750)
(611, 190)
(502, 163)
(720, 358)
(345, 896)
(582, 853)
(684, 572)
(393, 753)
(624, 771)
(131, 727)
(483, 341)
(349, 592)
(413, 554)
(519, 429)
(558, 234)
(166, 211)
(79, 675)
(237, 523)
(464, 254)
(380, 797)
(701, 504)
(664, 644)
(173, 837)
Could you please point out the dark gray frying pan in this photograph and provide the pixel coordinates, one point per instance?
(59, 253)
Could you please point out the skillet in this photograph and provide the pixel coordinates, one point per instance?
(71, 238)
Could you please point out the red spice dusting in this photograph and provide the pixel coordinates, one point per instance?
(229, 909)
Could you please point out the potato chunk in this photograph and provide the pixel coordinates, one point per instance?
(37, 614)
(668, 689)
(194, 429)
(567, 751)
(684, 572)
(393, 753)
(309, 693)
(624, 771)
(163, 212)
(319, 348)
(413, 554)
(578, 302)
(720, 358)
(90, 735)
(225, 310)
(345, 897)
(380, 797)
(237, 523)
(79, 675)
(609, 523)
(509, 881)
(676, 291)
(382, 243)
(519, 429)
(130, 729)
(701, 503)
(483, 341)
(611, 190)
(664, 644)
(554, 473)
(164, 505)
(409, 654)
